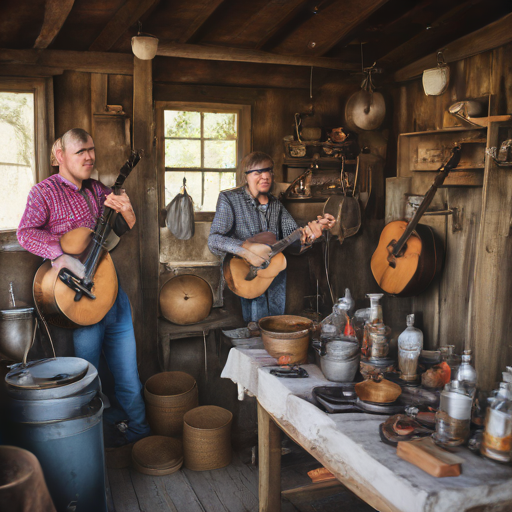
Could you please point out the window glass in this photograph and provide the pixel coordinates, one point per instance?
(202, 147)
(17, 155)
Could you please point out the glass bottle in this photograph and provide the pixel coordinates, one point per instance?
(467, 374)
(451, 359)
(410, 345)
(340, 310)
(375, 307)
(497, 437)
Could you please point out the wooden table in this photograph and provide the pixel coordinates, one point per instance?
(349, 446)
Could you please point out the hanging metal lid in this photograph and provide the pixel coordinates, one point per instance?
(47, 373)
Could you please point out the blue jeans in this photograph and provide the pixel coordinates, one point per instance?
(271, 303)
(115, 336)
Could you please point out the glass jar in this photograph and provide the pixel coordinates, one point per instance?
(453, 418)
(378, 340)
(410, 345)
(497, 437)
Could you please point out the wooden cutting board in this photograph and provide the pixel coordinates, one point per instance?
(429, 457)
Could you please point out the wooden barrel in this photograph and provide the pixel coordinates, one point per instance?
(207, 438)
(169, 395)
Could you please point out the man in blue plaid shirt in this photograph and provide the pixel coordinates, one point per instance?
(248, 210)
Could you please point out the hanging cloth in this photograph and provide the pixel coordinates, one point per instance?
(180, 215)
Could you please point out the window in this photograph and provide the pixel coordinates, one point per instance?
(203, 144)
(23, 159)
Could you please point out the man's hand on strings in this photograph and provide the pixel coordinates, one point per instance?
(314, 229)
(121, 204)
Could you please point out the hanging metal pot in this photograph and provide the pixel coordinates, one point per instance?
(365, 109)
(16, 333)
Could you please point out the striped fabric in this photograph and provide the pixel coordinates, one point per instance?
(239, 216)
(54, 207)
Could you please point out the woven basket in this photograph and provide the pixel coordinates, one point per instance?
(169, 395)
(157, 455)
(207, 438)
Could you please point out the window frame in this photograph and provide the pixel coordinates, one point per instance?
(244, 139)
(42, 89)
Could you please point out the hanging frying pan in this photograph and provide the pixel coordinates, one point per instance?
(365, 109)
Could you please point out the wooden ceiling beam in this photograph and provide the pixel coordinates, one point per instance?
(124, 18)
(55, 14)
(200, 20)
(190, 51)
(487, 38)
(269, 20)
(356, 21)
(453, 23)
(24, 70)
(90, 62)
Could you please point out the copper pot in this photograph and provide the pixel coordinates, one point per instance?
(286, 337)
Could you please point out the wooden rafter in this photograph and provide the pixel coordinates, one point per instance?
(200, 20)
(444, 28)
(124, 18)
(487, 38)
(321, 32)
(191, 51)
(91, 62)
(268, 21)
(55, 14)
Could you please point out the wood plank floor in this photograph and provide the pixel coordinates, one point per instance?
(230, 489)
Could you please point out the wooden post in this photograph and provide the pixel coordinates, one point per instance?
(269, 454)
(147, 213)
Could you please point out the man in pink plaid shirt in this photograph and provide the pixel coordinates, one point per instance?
(69, 200)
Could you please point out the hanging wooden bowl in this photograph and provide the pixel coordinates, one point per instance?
(186, 299)
(379, 392)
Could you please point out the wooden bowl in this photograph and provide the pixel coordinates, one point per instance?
(186, 299)
(380, 392)
(286, 337)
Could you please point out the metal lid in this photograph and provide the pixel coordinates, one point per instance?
(16, 313)
(47, 373)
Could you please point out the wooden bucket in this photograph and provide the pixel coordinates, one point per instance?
(169, 395)
(207, 438)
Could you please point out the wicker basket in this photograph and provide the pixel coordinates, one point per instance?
(169, 395)
(207, 438)
(157, 455)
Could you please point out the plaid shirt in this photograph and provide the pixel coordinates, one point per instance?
(54, 207)
(239, 216)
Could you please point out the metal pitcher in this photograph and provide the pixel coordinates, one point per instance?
(16, 333)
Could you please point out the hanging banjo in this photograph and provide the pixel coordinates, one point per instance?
(64, 298)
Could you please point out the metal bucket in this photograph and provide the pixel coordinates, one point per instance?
(16, 332)
(53, 409)
(71, 455)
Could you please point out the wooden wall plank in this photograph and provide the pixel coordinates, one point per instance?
(491, 323)
(143, 138)
(55, 14)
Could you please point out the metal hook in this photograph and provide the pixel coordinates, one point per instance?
(440, 58)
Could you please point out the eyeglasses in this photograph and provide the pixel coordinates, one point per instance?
(259, 172)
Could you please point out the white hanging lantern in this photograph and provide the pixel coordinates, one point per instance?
(436, 80)
(144, 46)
